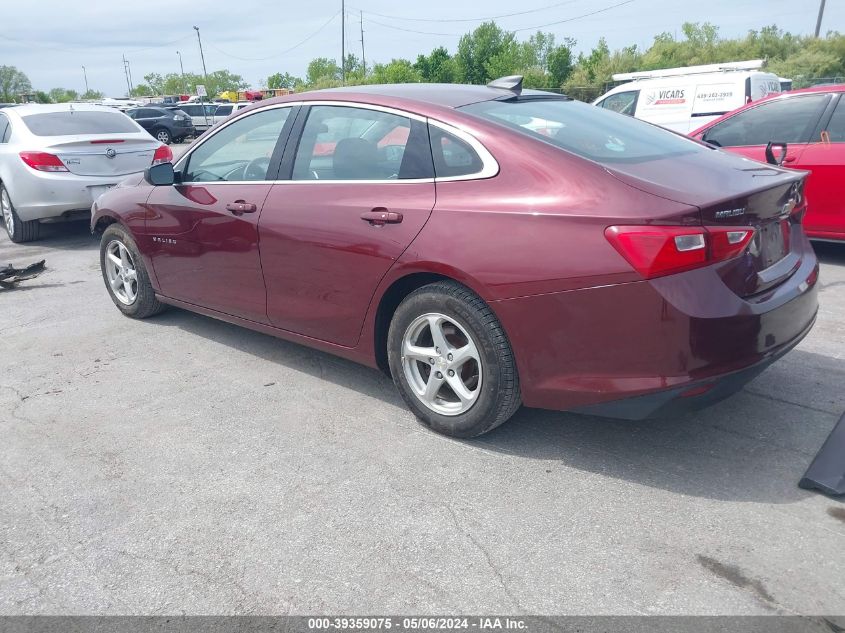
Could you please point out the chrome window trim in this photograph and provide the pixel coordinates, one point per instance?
(489, 169)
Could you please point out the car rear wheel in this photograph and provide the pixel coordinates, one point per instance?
(452, 362)
(125, 276)
(17, 230)
(161, 134)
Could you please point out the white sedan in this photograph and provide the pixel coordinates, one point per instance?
(55, 160)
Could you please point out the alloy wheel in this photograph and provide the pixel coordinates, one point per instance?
(6, 205)
(121, 272)
(442, 364)
(163, 136)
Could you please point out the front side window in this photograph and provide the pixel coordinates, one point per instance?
(240, 151)
(349, 143)
(621, 102)
(586, 130)
(788, 120)
(72, 122)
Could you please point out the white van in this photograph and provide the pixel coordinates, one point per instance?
(684, 99)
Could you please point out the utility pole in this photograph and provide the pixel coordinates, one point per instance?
(128, 81)
(182, 70)
(85, 74)
(202, 57)
(363, 55)
(343, 41)
(819, 20)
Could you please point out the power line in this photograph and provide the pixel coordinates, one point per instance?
(572, 19)
(527, 28)
(492, 17)
(284, 52)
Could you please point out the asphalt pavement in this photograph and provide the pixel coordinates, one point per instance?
(185, 465)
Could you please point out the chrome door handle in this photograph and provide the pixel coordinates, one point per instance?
(381, 216)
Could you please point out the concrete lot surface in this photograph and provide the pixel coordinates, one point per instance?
(184, 465)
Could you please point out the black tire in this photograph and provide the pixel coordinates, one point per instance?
(145, 303)
(499, 395)
(163, 134)
(17, 230)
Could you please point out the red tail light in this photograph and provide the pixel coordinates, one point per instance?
(655, 251)
(163, 155)
(42, 161)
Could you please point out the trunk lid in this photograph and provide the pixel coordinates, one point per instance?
(733, 191)
(111, 156)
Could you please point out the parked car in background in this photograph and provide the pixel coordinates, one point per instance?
(683, 99)
(56, 159)
(202, 114)
(224, 110)
(593, 263)
(811, 122)
(167, 125)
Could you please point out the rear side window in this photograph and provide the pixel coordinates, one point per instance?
(452, 156)
(788, 120)
(223, 111)
(350, 143)
(585, 130)
(148, 113)
(4, 129)
(836, 127)
(78, 122)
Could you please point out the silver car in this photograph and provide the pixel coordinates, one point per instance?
(55, 160)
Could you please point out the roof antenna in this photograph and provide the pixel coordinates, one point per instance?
(511, 82)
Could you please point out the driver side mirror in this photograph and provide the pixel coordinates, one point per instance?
(771, 157)
(160, 175)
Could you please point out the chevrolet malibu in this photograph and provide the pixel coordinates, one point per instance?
(487, 246)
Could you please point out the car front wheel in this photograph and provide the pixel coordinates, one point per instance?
(17, 230)
(452, 362)
(126, 278)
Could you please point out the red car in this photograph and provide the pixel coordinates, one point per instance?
(812, 124)
(609, 267)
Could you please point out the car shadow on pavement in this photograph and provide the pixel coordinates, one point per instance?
(752, 447)
(74, 236)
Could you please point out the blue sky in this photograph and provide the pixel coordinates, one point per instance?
(50, 40)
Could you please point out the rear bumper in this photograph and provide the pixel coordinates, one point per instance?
(39, 196)
(689, 397)
(644, 344)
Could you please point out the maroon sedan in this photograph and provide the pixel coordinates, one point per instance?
(486, 246)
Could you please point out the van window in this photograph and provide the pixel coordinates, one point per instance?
(621, 102)
(586, 130)
(789, 120)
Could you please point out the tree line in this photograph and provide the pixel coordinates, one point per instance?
(488, 52)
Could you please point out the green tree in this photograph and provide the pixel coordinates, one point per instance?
(487, 44)
(13, 83)
(63, 95)
(436, 67)
(287, 81)
(91, 95)
(559, 64)
(42, 97)
(322, 71)
(398, 71)
(174, 83)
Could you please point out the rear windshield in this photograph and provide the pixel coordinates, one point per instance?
(78, 122)
(586, 130)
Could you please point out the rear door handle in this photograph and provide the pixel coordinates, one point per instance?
(381, 216)
(239, 207)
(790, 159)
